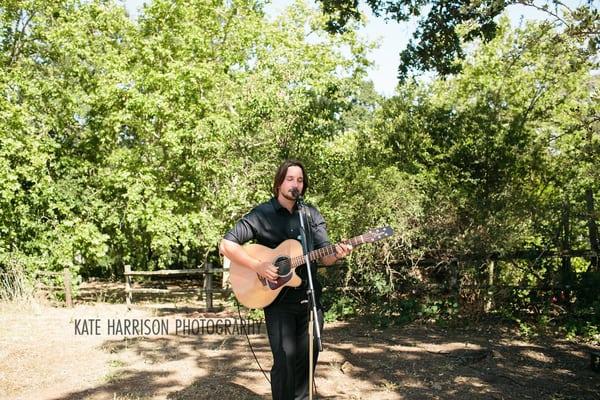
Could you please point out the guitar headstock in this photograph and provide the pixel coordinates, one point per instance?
(376, 234)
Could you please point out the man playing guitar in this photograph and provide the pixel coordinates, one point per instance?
(270, 224)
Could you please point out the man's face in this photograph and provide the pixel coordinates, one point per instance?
(294, 179)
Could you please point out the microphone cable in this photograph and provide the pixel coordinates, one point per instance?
(250, 344)
(256, 358)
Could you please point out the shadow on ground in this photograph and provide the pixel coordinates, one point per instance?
(359, 362)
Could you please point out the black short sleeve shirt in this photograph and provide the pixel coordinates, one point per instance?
(269, 224)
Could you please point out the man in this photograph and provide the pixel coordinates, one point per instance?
(269, 224)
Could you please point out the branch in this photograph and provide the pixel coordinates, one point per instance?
(546, 10)
(18, 35)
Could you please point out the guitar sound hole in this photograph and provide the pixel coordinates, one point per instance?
(283, 265)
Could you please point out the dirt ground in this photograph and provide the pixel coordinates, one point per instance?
(53, 353)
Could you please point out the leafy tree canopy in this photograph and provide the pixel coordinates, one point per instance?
(446, 25)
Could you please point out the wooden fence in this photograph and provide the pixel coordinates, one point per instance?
(206, 290)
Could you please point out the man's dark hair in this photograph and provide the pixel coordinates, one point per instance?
(282, 172)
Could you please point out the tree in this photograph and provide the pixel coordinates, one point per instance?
(438, 43)
(125, 142)
(57, 59)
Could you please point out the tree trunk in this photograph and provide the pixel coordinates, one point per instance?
(566, 269)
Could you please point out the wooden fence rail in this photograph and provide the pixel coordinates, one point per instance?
(207, 289)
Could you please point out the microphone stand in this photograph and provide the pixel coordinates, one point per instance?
(312, 303)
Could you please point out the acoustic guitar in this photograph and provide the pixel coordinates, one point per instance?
(254, 291)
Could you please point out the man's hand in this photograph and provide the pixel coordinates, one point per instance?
(266, 270)
(342, 250)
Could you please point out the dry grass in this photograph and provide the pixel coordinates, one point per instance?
(15, 287)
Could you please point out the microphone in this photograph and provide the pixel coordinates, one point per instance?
(296, 195)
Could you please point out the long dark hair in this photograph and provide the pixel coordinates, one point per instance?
(282, 172)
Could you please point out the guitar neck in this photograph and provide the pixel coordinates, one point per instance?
(325, 251)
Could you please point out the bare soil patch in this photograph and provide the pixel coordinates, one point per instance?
(42, 357)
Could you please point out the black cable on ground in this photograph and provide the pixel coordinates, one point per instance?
(256, 358)
(250, 344)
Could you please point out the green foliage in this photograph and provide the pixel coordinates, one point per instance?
(485, 140)
(446, 27)
(439, 310)
(142, 142)
(341, 308)
(139, 143)
(255, 314)
(473, 165)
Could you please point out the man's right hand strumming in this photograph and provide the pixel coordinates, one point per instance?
(266, 270)
(236, 253)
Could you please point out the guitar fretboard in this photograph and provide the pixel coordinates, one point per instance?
(325, 251)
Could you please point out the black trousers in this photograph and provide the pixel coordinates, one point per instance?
(287, 327)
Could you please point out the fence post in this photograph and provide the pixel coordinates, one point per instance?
(225, 284)
(67, 285)
(490, 286)
(128, 286)
(208, 286)
(454, 278)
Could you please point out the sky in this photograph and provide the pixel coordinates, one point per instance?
(392, 38)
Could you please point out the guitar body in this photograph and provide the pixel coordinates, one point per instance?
(253, 291)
